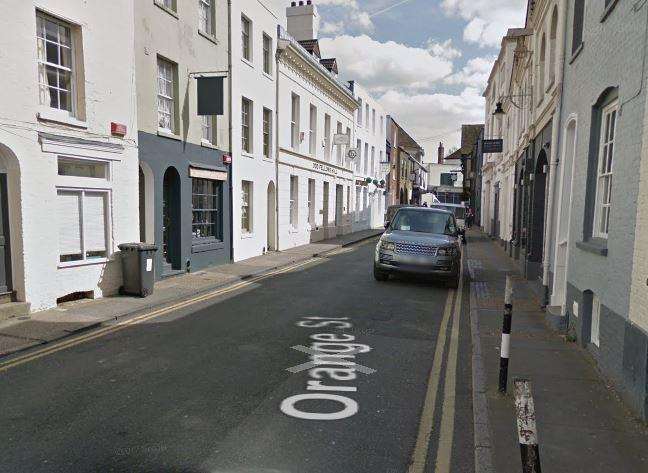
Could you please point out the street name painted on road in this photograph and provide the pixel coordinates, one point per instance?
(331, 363)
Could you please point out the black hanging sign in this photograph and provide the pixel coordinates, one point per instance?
(211, 96)
(492, 146)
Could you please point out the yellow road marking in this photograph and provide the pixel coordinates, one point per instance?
(444, 450)
(55, 347)
(419, 457)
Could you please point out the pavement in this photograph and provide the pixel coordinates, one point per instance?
(582, 424)
(67, 319)
(215, 386)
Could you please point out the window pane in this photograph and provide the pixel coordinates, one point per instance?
(94, 224)
(69, 221)
(73, 167)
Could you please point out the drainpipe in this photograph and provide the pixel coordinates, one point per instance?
(553, 162)
(280, 51)
(230, 113)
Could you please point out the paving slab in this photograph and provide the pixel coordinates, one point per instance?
(582, 424)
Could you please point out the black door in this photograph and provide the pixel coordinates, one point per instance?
(5, 250)
(171, 220)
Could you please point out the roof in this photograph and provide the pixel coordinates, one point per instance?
(330, 64)
(312, 46)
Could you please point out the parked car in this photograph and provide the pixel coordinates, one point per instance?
(391, 211)
(422, 241)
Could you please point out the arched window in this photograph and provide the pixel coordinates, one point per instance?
(541, 68)
(552, 45)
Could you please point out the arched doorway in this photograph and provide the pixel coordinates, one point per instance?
(559, 292)
(536, 245)
(146, 204)
(171, 230)
(11, 245)
(272, 218)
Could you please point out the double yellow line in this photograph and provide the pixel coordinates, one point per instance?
(446, 433)
(71, 342)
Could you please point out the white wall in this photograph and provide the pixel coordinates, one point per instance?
(375, 137)
(107, 64)
(250, 81)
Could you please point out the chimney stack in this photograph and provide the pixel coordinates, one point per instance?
(441, 154)
(303, 20)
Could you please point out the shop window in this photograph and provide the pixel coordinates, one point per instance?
(207, 210)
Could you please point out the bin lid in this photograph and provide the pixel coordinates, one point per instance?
(137, 247)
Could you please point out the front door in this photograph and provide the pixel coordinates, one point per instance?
(325, 205)
(171, 235)
(339, 204)
(5, 250)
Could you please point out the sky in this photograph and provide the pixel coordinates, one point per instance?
(426, 61)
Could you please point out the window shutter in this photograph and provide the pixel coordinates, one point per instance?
(94, 221)
(69, 212)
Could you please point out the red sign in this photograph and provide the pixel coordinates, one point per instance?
(118, 129)
(227, 159)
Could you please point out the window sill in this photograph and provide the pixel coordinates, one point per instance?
(207, 144)
(247, 154)
(74, 264)
(268, 160)
(168, 134)
(608, 10)
(208, 36)
(198, 246)
(597, 246)
(293, 230)
(60, 117)
(247, 235)
(174, 14)
(268, 76)
(247, 62)
(576, 53)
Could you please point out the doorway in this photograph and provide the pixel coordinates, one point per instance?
(272, 218)
(559, 292)
(339, 204)
(5, 247)
(496, 212)
(325, 205)
(171, 230)
(536, 245)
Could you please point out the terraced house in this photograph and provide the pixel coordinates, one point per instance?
(572, 116)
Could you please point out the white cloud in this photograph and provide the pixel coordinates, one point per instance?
(432, 118)
(353, 14)
(475, 73)
(333, 28)
(445, 50)
(384, 66)
(487, 20)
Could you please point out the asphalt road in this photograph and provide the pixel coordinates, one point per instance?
(206, 388)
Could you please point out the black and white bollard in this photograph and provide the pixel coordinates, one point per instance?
(526, 427)
(506, 335)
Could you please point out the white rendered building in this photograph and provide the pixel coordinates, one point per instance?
(68, 149)
(254, 116)
(370, 142)
(315, 177)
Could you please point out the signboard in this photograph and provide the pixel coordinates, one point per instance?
(352, 153)
(340, 139)
(325, 168)
(492, 146)
(384, 168)
(210, 96)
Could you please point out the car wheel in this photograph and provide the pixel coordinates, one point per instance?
(380, 275)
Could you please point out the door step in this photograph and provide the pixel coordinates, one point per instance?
(13, 309)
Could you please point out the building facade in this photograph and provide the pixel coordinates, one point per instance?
(405, 158)
(68, 149)
(185, 184)
(370, 135)
(254, 121)
(315, 175)
(572, 115)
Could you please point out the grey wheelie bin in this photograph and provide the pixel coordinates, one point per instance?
(138, 268)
